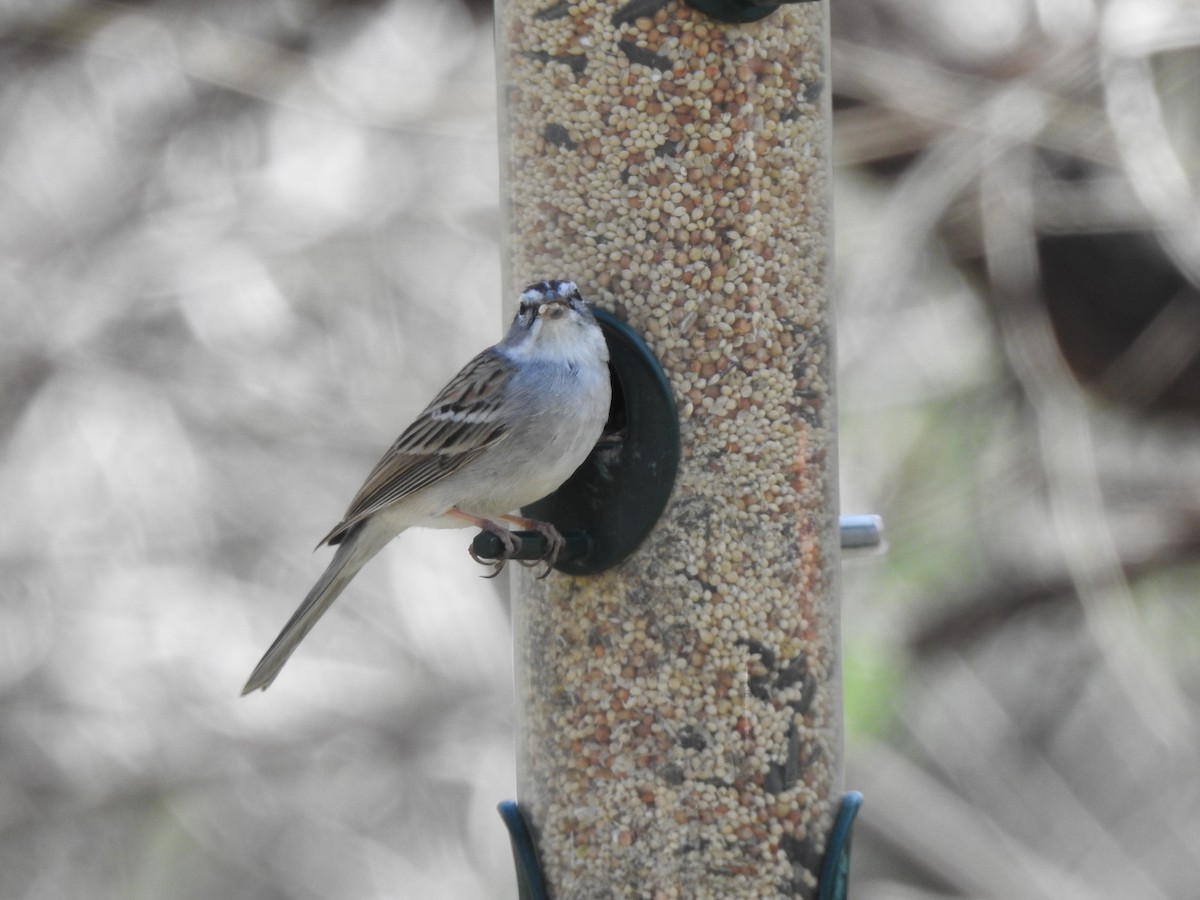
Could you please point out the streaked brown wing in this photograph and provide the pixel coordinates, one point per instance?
(461, 422)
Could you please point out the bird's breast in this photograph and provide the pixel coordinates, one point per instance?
(558, 414)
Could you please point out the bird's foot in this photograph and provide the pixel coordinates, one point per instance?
(503, 532)
(554, 541)
(511, 544)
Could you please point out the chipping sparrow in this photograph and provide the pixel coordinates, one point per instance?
(507, 430)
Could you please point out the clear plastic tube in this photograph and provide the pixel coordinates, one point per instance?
(680, 724)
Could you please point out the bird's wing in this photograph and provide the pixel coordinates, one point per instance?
(461, 422)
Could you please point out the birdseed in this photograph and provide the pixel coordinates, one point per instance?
(680, 715)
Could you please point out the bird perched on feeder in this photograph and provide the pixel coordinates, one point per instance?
(507, 430)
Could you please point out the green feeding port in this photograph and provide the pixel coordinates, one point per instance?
(735, 11)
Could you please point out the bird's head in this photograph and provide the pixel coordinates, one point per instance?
(554, 321)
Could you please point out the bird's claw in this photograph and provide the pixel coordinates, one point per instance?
(555, 543)
(510, 547)
(554, 546)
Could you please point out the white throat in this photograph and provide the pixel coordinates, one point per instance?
(562, 343)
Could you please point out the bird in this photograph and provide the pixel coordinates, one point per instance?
(507, 430)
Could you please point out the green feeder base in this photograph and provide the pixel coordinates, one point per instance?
(835, 868)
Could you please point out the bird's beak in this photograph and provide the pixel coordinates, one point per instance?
(553, 309)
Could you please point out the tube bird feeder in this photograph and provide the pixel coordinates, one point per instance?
(679, 713)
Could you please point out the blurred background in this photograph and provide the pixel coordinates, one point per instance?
(241, 244)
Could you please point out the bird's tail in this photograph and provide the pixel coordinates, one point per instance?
(359, 545)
